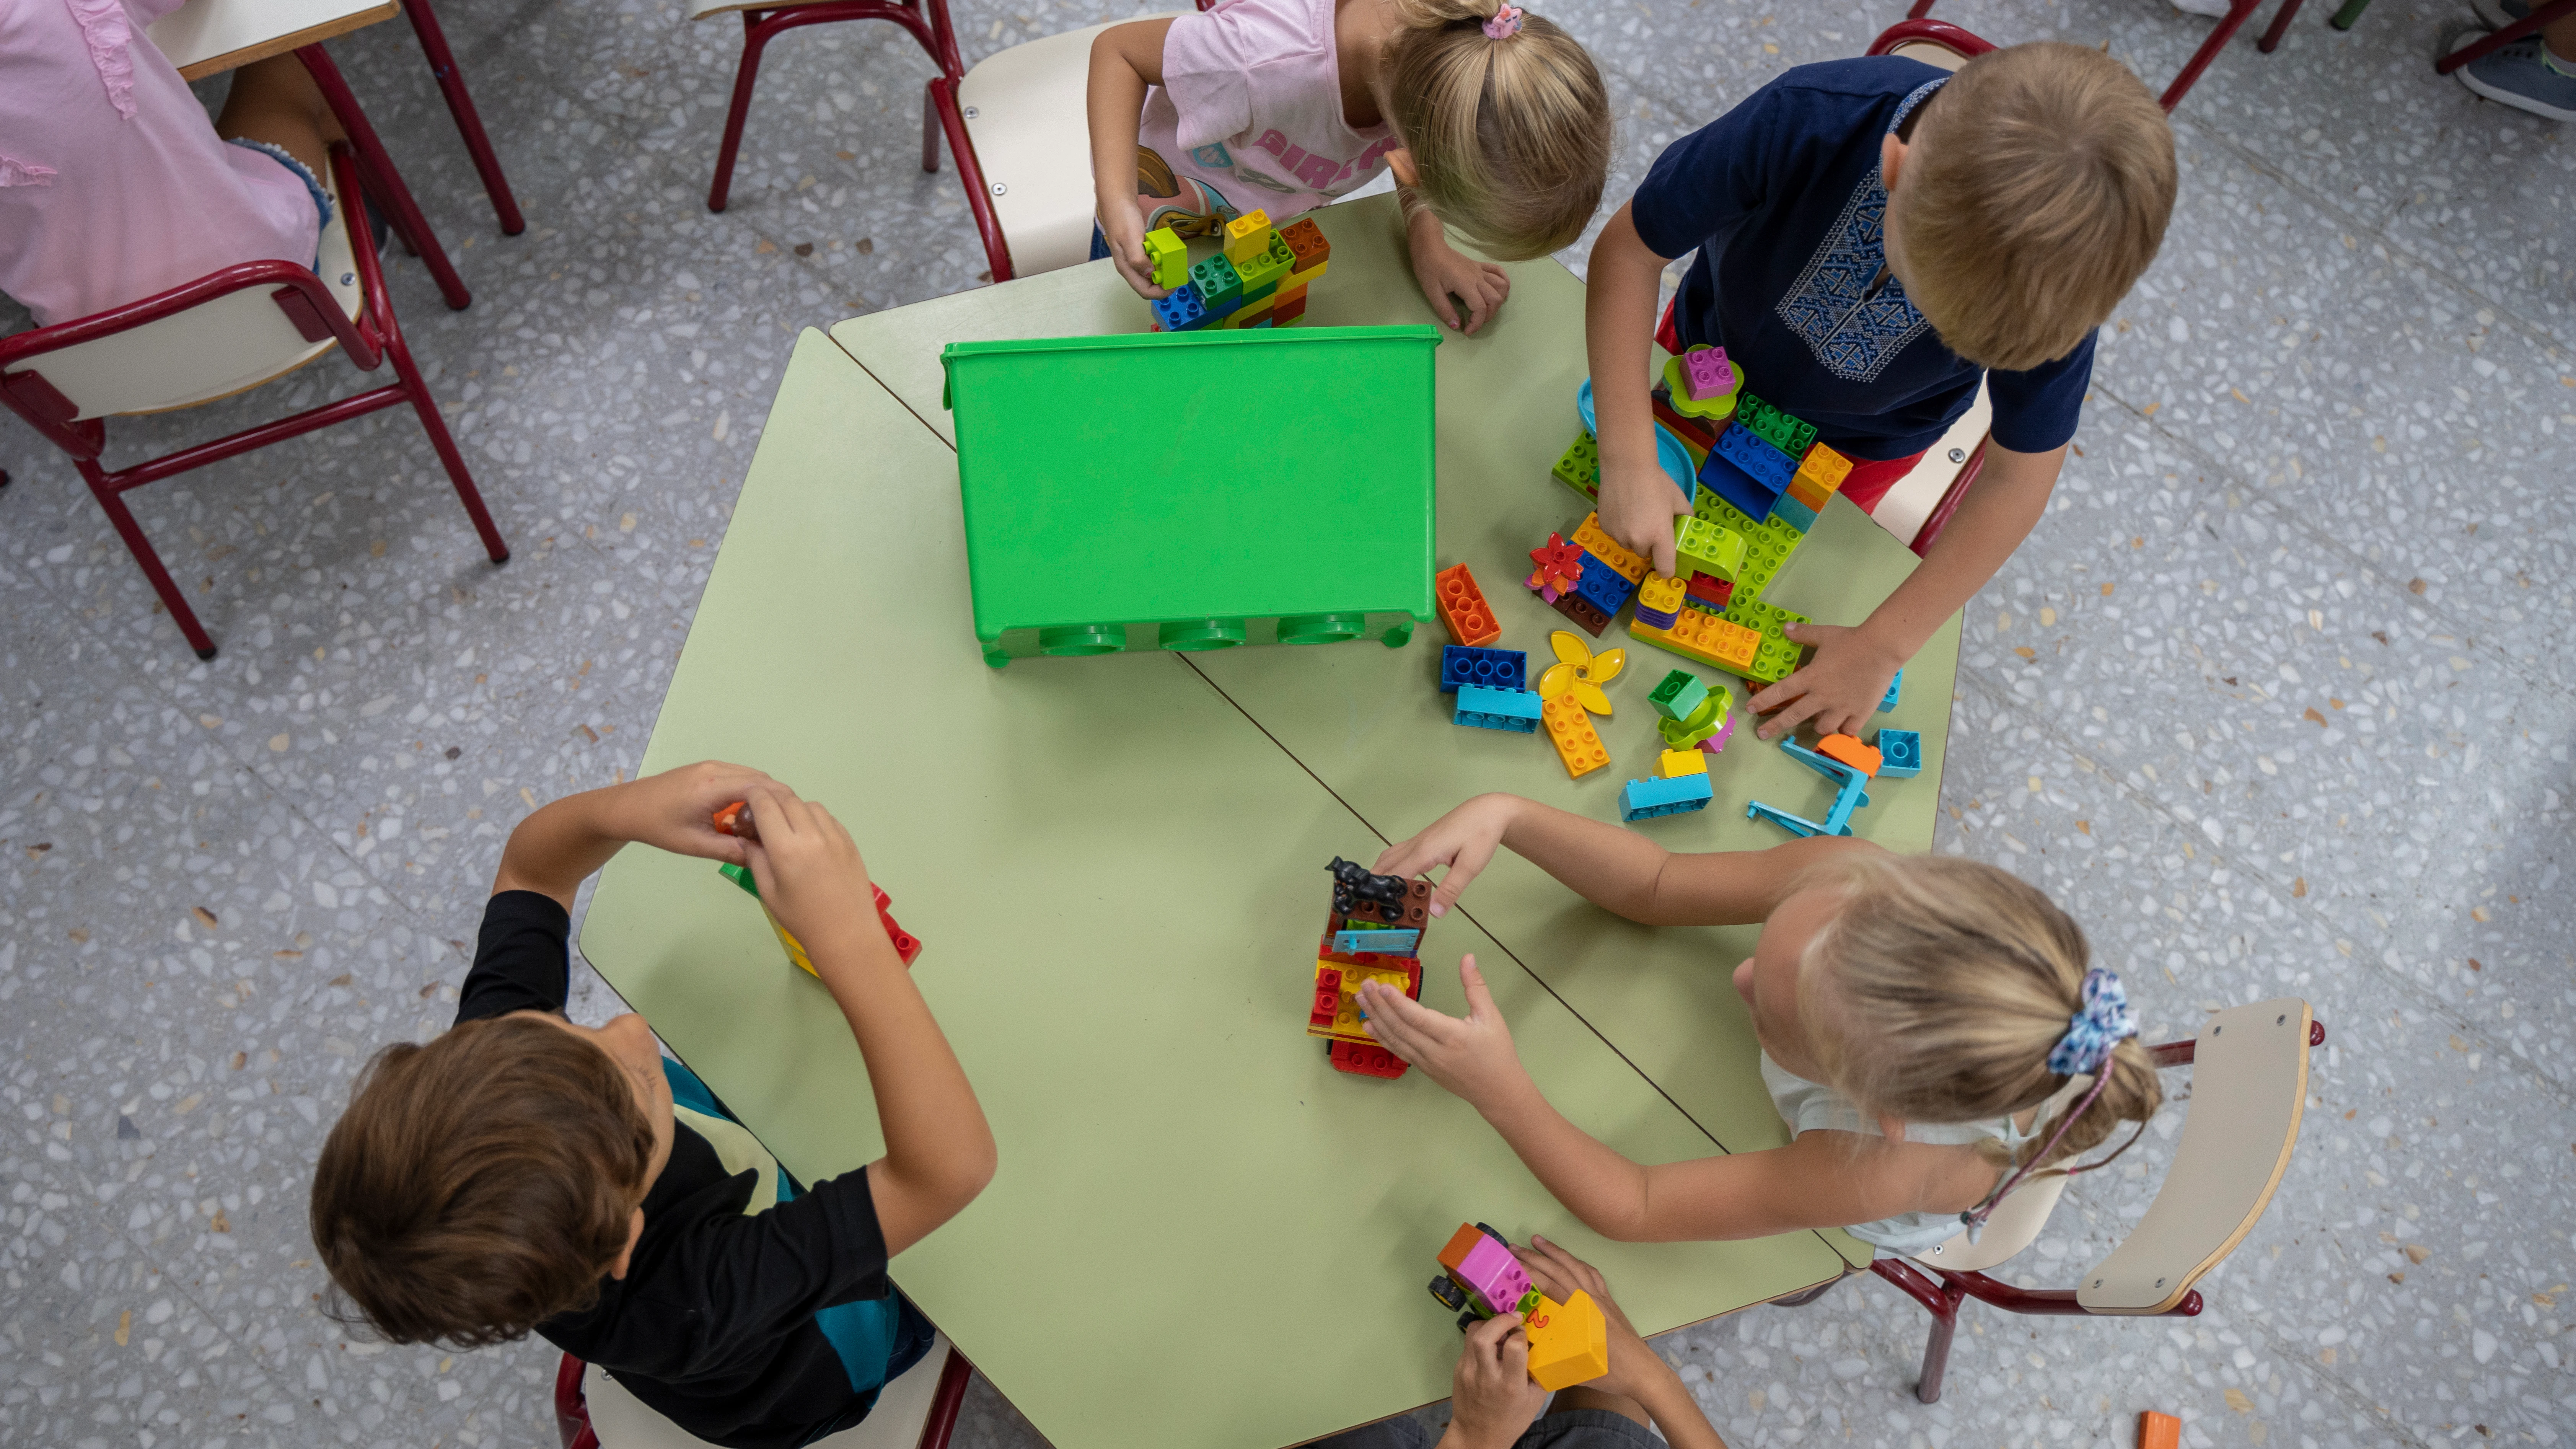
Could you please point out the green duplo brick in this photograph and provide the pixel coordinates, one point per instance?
(1580, 468)
(1788, 434)
(1679, 694)
(1219, 285)
(1710, 549)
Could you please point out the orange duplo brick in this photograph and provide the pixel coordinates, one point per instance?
(1570, 730)
(1850, 751)
(1823, 468)
(1470, 620)
(1569, 1342)
(1461, 1243)
(1623, 561)
(2159, 1431)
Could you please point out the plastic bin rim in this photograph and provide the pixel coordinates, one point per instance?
(1128, 341)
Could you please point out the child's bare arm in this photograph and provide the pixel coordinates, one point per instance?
(1841, 687)
(1125, 60)
(1638, 502)
(939, 1150)
(554, 850)
(1618, 870)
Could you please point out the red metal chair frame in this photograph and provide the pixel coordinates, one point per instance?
(372, 338)
(2238, 12)
(384, 183)
(469, 122)
(572, 1407)
(1942, 1291)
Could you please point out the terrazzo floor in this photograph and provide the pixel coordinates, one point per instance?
(2272, 700)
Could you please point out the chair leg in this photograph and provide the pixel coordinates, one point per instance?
(426, 407)
(745, 73)
(1936, 1353)
(383, 179)
(1802, 1299)
(144, 554)
(2280, 25)
(929, 130)
(469, 122)
(2238, 12)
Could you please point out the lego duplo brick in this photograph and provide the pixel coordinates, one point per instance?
(1463, 610)
(1246, 237)
(1708, 717)
(1287, 314)
(1603, 586)
(1570, 730)
(1850, 751)
(1706, 638)
(1595, 541)
(1414, 914)
(1661, 594)
(1823, 469)
(906, 944)
(1764, 463)
(1569, 1342)
(1900, 754)
(1268, 269)
(1371, 1060)
(1383, 941)
(1665, 795)
(1788, 434)
(1220, 290)
(1307, 243)
(1807, 493)
(1168, 256)
(1710, 590)
(1767, 544)
(1677, 694)
(1720, 478)
(1707, 374)
(1492, 668)
(1513, 710)
(1492, 1276)
(1894, 687)
(1673, 764)
(1716, 742)
(1181, 311)
(1707, 548)
(1555, 564)
(1587, 616)
(1788, 510)
(1695, 434)
(1580, 468)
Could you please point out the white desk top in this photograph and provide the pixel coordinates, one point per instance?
(209, 37)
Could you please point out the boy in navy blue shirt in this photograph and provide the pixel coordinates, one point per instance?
(1874, 236)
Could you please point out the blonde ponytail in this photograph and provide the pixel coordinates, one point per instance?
(1939, 988)
(1510, 133)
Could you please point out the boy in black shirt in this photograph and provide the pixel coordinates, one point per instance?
(523, 1173)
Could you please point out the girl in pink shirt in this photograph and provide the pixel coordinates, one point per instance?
(112, 185)
(1493, 121)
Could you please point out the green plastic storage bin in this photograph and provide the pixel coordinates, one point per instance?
(1196, 490)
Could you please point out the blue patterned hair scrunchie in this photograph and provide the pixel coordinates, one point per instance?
(2091, 1033)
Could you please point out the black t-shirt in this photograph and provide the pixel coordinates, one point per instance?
(713, 1324)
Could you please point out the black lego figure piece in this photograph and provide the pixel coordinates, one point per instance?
(1351, 882)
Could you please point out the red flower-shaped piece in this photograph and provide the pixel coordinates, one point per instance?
(1560, 566)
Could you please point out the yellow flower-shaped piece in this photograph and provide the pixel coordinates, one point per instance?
(1581, 671)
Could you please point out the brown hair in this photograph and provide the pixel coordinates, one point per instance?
(2037, 189)
(1511, 137)
(480, 1184)
(1938, 989)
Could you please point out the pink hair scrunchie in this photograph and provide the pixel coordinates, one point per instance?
(1505, 24)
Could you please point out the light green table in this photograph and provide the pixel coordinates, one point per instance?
(1200, 1234)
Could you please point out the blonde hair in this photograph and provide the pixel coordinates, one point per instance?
(2036, 190)
(1938, 988)
(1511, 137)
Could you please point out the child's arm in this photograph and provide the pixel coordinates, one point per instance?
(1125, 60)
(1636, 1371)
(939, 1150)
(1840, 688)
(1618, 870)
(1820, 1180)
(554, 850)
(1638, 500)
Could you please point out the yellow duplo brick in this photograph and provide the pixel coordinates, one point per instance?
(1570, 730)
(1247, 236)
(1661, 594)
(1601, 545)
(1806, 491)
(1677, 763)
(1569, 1342)
(1299, 279)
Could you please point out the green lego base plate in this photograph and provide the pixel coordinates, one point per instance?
(1199, 490)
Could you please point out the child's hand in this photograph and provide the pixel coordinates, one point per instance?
(1472, 1056)
(1493, 1400)
(810, 875)
(1838, 690)
(675, 810)
(1638, 504)
(1444, 270)
(1123, 226)
(1560, 1275)
(1463, 840)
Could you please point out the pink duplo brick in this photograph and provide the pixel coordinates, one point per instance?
(1493, 1274)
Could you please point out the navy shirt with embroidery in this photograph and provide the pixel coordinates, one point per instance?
(1783, 198)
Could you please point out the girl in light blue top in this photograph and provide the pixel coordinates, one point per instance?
(1915, 1016)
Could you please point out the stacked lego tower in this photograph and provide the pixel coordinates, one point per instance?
(1373, 934)
(1763, 479)
(1569, 1342)
(1258, 280)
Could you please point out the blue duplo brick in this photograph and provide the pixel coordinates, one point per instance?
(1461, 664)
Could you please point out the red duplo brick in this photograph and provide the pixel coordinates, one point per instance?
(906, 944)
(1365, 1061)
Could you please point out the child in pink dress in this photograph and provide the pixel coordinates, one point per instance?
(112, 185)
(1493, 121)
